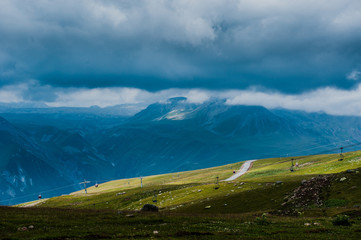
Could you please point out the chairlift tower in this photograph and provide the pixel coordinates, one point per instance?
(217, 184)
(85, 182)
(341, 155)
(291, 169)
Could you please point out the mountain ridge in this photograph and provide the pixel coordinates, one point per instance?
(167, 137)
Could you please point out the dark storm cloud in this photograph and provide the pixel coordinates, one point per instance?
(291, 46)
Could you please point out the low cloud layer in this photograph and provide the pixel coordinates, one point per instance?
(287, 46)
(328, 100)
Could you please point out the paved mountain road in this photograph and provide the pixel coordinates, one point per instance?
(244, 168)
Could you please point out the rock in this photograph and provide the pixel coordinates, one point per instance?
(207, 207)
(129, 215)
(307, 224)
(308, 193)
(199, 190)
(31, 227)
(155, 232)
(149, 208)
(316, 223)
(278, 182)
(343, 179)
(22, 229)
(350, 171)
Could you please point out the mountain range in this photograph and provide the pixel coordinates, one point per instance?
(50, 151)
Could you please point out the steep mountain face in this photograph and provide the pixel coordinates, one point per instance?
(45, 150)
(70, 153)
(241, 120)
(39, 158)
(23, 167)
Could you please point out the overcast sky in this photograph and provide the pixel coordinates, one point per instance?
(277, 53)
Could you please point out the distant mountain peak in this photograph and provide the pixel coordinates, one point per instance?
(177, 99)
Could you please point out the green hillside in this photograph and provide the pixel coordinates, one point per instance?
(179, 191)
(268, 201)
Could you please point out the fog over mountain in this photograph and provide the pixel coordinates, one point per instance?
(53, 149)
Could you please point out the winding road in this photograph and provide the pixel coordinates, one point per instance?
(244, 168)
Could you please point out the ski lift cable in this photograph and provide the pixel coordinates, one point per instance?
(318, 153)
(323, 152)
(329, 150)
(317, 145)
(33, 194)
(293, 153)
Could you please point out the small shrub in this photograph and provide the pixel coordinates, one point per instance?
(341, 220)
(336, 203)
(262, 220)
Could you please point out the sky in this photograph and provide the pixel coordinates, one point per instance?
(298, 54)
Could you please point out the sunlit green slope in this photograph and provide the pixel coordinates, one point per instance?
(260, 189)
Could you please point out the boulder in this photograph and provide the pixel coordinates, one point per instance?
(149, 208)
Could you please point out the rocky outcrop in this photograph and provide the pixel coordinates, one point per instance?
(307, 194)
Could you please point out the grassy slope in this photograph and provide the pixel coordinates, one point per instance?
(182, 198)
(191, 191)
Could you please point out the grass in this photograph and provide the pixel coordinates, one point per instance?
(192, 205)
(52, 223)
(195, 187)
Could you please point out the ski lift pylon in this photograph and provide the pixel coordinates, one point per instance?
(292, 166)
(341, 155)
(217, 184)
